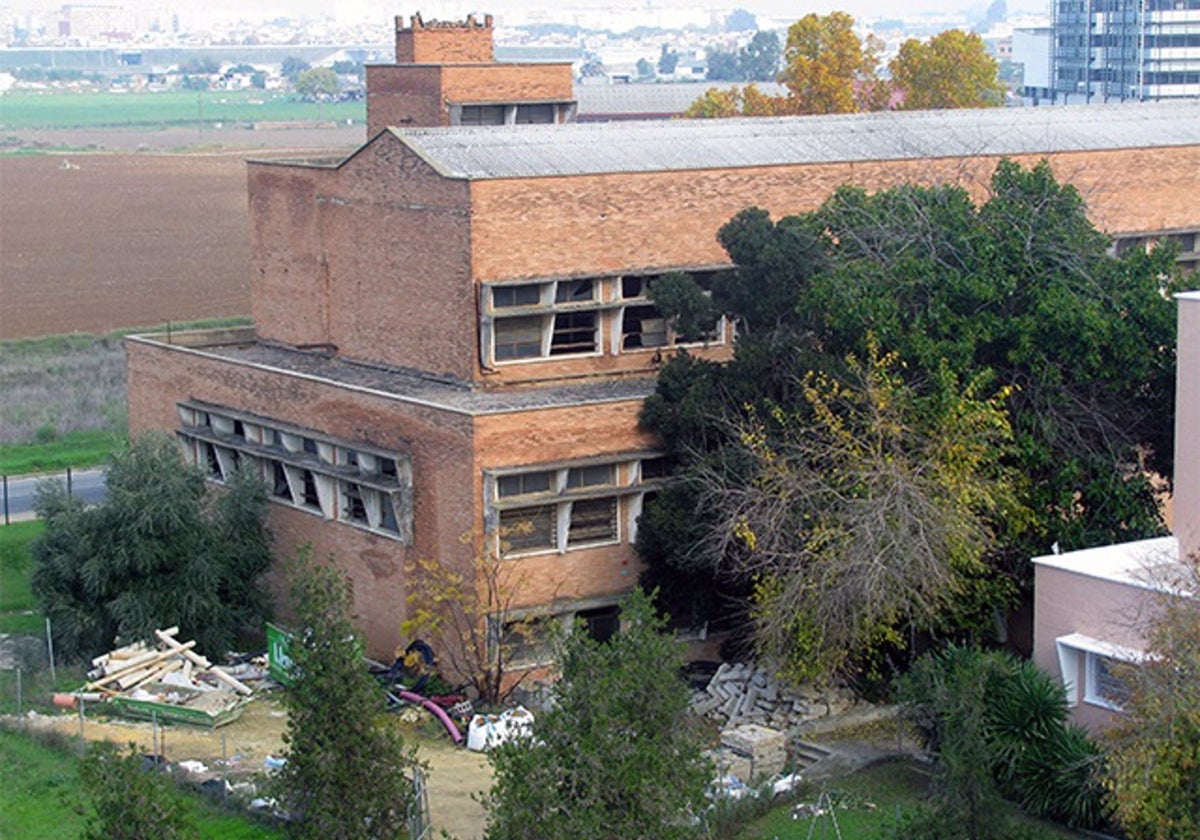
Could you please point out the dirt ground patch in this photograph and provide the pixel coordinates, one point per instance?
(91, 242)
(456, 776)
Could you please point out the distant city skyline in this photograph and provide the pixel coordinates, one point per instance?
(365, 9)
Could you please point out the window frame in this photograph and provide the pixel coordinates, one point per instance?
(303, 469)
(571, 489)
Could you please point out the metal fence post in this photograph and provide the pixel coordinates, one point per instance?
(68, 481)
(18, 692)
(6, 521)
(50, 650)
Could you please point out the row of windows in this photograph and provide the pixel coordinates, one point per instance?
(570, 507)
(363, 487)
(575, 317)
(530, 113)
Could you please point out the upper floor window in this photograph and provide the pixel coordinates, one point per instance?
(580, 317)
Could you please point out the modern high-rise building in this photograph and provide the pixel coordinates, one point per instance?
(1126, 49)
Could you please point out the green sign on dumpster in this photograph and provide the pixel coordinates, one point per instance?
(279, 663)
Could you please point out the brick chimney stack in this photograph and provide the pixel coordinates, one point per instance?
(444, 42)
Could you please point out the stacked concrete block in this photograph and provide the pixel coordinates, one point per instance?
(743, 693)
(763, 749)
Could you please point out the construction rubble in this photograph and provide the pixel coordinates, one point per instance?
(742, 693)
(166, 681)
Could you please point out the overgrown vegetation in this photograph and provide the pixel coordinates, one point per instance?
(64, 399)
(128, 801)
(613, 755)
(1027, 394)
(347, 775)
(44, 797)
(1154, 750)
(470, 617)
(16, 597)
(160, 551)
(998, 726)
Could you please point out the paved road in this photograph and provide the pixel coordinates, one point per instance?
(86, 484)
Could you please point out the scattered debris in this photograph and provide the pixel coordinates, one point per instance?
(742, 693)
(169, 682)
(488, 731)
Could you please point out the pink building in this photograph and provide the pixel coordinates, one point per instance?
(1091, 606)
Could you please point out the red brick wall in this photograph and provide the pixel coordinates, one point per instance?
(558, 434)
(404, 96)
(507, 83)
(468, 41)
(540, 227)
(440, 445)
(399, 95)
(387, 246)
(289, 292)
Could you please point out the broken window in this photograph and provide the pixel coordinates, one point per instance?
(570, 507)
(601, 624)
(482, 115)
(318, 474)
(535, 113)
(529, 529)
(643, 326)
(590, 476)
(529, 641)
(574, 332)
(592, 521)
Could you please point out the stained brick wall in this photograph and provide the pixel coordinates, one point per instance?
(558, 434)
(384, 245)
(439, 443)
(404, 97)
(544, 227)
(439, 42)
(411, 95)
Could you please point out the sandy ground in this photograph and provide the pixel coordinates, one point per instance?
(456, 775)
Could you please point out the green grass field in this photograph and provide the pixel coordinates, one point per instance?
(43, 797)
(75, 110)
(874, 799)
(74, 449)
(18, 609)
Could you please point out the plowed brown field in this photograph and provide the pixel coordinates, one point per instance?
(97, 241)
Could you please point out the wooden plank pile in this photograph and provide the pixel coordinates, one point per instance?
(167, 680)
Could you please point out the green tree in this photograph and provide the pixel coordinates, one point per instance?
(668, 59)
(952, 70)
(828, 69)
(1016, 301)
(997, 725)
(317, 83)
(292, 67)
(723, 66)
(613, 755)
(867, 510)
(347, 770)
(159, 551)
(1154, 750)
(758, 61)
(131, 802)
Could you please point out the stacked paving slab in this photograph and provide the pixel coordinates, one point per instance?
(742, 693)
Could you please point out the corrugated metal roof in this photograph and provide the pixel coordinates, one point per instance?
(584, 149)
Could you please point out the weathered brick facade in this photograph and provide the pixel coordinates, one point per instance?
(409, 304)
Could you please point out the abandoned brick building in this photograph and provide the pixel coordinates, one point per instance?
(451, 327)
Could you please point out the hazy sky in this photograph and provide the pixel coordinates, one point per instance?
(789, 9)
